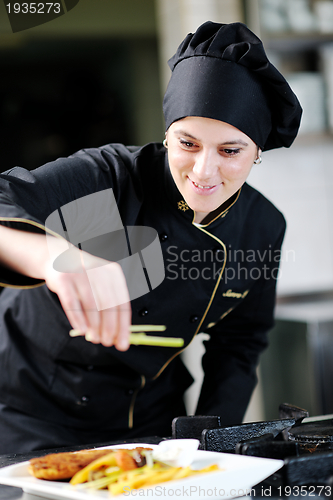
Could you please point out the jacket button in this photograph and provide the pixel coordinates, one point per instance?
(129, 392)
(163, 237)
(90, 367)
(143, 312)
(194, 318)
(83, 401)
(219, 254)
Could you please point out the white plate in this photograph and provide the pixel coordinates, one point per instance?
(240, 473)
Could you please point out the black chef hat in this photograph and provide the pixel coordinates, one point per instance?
(222, 72)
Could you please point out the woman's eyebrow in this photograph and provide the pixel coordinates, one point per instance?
(226, 143)
(186, 134)
(239, 141)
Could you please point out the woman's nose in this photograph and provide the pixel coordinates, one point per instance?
(205, 165)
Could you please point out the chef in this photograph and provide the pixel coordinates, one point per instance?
(220, 240)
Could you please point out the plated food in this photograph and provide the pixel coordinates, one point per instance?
(235, 477)
(118, 470)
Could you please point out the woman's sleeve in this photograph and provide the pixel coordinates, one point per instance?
(233, 350)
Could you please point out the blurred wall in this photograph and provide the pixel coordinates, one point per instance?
(177, 18)
(84, 79)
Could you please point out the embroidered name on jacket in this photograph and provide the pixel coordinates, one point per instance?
(235, 295)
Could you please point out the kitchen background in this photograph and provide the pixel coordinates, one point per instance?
(98, 74)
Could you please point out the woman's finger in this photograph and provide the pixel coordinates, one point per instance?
(74, 312)
(124, 322)
(110, 292)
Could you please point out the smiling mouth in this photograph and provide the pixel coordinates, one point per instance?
(201, 186)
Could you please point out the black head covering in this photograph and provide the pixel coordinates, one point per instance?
(222, 72)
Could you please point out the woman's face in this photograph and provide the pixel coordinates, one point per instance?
(209, 161)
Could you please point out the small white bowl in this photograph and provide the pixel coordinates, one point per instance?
(176, 452)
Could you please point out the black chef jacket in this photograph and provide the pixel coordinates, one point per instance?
(219, 278)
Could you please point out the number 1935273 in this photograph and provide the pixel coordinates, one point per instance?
(33, 8)
(307, 490)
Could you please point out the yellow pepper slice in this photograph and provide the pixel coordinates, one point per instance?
(82, 475)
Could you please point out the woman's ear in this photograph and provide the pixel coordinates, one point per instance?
(258, 159)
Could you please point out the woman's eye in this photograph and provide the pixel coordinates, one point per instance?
(187, 144)
(231, 152)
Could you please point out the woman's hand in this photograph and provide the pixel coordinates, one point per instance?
(92, 291)
(96, 302)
